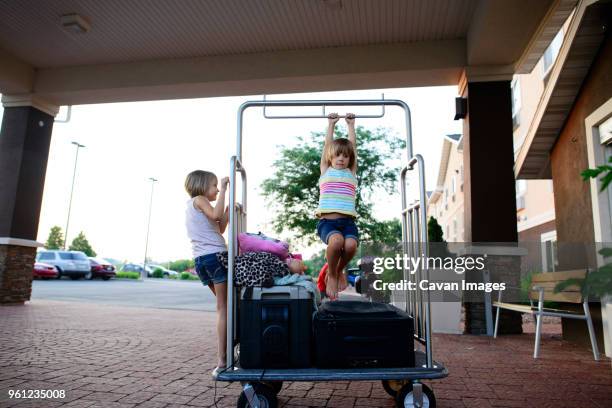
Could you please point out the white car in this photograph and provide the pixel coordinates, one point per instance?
(167, 272)
(74, 264)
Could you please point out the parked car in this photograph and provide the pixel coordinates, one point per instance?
(352, 274)
(101, 268)
(131, 267)
(74, 264)
(44, 271)
(167, 272)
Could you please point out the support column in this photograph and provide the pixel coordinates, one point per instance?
(489, 185)
(25, 137)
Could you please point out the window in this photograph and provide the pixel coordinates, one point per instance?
(445, 198)
(605, 132)
(45, 256)
(550, 261)
(550, 55)
(79, 256)
(521, 189)
(516, 103)
(455, 226)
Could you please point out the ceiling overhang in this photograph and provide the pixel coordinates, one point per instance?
(240, 47)
(583, 40)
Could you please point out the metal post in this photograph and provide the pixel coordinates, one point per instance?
(76, 158)
(587, 314)
(406, 273)
(424, 241)
(231, 252)
(143, 275)
(488, 306)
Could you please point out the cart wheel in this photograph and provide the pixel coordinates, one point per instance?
(265, 395)
(405, 398)
(392, 387)
(276, 386)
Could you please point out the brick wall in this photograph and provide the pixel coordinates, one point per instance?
(16, 264)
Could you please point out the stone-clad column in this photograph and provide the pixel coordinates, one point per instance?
(489, 185)
(25, 137)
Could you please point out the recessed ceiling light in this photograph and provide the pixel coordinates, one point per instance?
(333, 4)
(75, 23)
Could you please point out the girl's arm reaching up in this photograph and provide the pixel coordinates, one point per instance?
(350, 122)
(214, 213)
(224, 220)
(332, 118)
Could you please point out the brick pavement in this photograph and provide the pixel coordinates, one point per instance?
(114, 357)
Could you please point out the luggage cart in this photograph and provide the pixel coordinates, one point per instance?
(260, 386)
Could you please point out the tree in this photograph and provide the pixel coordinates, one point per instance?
(434, 230)
(181, 265)
(80, 243)
(293, 190)
(55, 239)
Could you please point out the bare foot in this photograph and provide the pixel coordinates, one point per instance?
(342, 282)
(331, 289)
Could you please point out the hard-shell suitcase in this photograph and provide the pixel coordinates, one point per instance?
(362, 334)
(275, 327)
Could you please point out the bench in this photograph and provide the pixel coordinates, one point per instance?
(543, 285)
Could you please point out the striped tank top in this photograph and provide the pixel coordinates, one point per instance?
(337, 192)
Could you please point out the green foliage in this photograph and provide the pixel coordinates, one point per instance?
(434, 230)
(181, 265)
(80, 243)
(55, 239)
(294, 187)
(525, 286)
(157, 273)
(127, 275)
(597, 283)
(187, 276)
(605, 169)
(315, 263)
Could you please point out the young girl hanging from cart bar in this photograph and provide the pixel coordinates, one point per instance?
(205, 223)
(336, 211)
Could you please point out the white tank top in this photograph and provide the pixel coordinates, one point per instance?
(203, 233)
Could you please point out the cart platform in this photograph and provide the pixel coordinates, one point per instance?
(337, 374)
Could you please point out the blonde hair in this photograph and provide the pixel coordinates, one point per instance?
(338, 147)
(198, 182)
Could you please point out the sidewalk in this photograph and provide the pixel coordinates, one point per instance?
(114, 357)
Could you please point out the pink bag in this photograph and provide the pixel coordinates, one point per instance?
(262, 243)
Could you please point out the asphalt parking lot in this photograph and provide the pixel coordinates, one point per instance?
(151, 293)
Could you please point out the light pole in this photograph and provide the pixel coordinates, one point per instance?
(144, 264)
(76, 158)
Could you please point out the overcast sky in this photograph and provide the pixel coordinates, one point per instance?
(126, 143)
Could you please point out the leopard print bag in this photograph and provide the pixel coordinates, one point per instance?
(255, 268)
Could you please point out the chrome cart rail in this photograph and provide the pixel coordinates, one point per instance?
(414, 236)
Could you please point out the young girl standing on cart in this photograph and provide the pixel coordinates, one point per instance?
(336, 211)
(205, 223)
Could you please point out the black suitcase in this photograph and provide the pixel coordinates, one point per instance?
(275, 327)
(362, 334)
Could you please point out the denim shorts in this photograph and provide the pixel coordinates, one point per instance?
(344, 226)
(209, 269)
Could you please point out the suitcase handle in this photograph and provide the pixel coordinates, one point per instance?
(362, 340)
